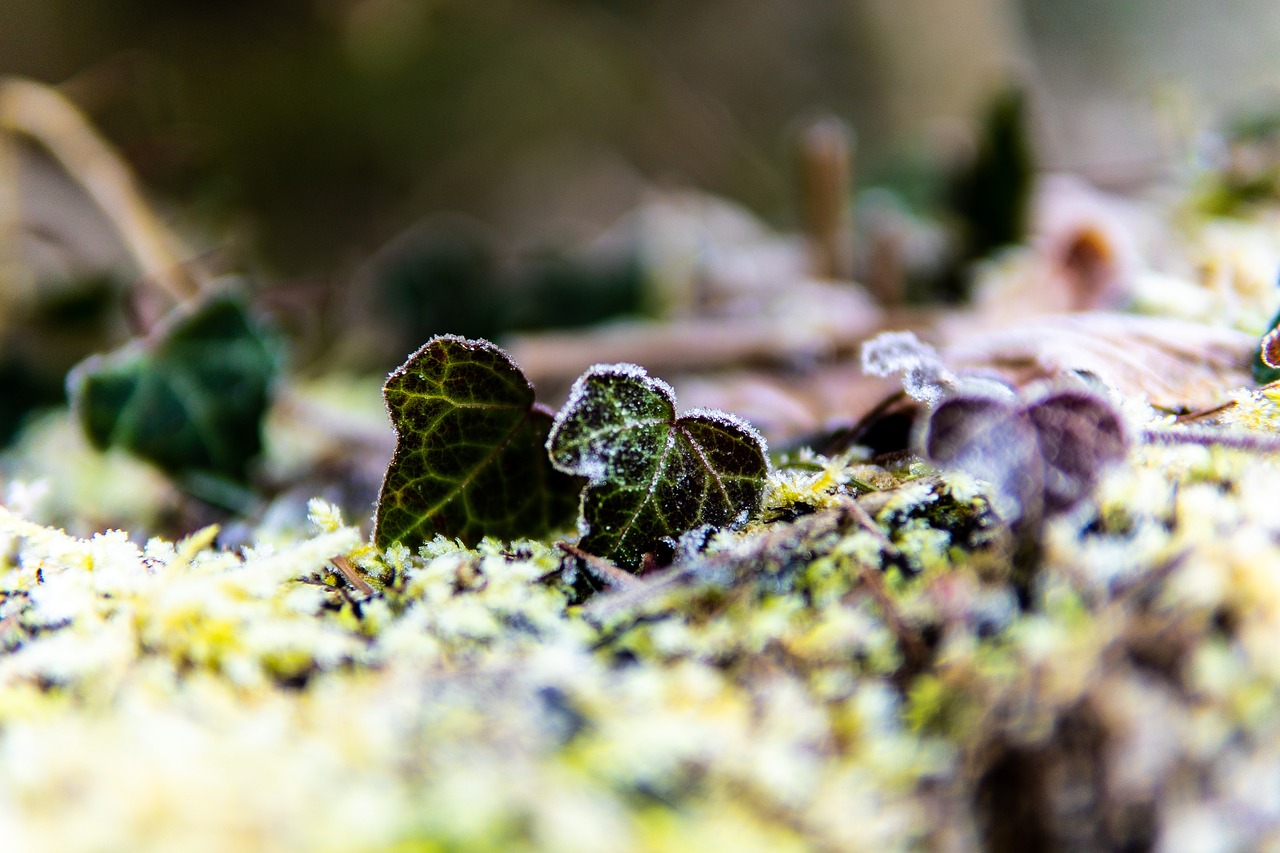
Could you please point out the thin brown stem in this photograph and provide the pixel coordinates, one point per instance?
(913, 648)
(41, 113)
(914, 651)
(825, 155)
(352, 576)
(602, 568)
(867, 523)
(1202, 414)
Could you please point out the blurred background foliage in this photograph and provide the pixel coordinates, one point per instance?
(303, 139)
(384, 170)
(314, 130)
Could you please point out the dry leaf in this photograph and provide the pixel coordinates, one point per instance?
(1173, 363)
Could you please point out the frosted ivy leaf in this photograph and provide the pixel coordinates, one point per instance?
(652, 475)
(469, 459)
(924, 376)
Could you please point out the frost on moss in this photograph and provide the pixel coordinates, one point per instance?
(758, 693)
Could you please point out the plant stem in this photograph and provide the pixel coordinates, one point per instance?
(40, 112)
(352, 576)
(1213, 438)
(602, 568)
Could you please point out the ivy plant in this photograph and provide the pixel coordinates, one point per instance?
(476, 456)
(190, 397)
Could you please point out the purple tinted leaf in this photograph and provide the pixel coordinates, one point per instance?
(1041, 456)
(1079, 434)
(991, 439)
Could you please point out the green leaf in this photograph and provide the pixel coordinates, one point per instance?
(991, 197)
(469, 459)
(190, 398)
(650, 474)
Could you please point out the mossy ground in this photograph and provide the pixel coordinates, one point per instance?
(180, 695)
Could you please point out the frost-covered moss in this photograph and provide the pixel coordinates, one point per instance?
(756, 695)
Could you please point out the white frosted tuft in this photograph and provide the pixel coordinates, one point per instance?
(924, 376)
(629, 371)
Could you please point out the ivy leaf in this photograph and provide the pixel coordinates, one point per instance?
(1043, 454)
(650, 474)
(469, 458)
(189, 398)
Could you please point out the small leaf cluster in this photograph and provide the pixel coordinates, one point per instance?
(476, 456)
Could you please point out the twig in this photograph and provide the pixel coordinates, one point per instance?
(1201, 414)
(867, 523)
(18, 280)
(1213, 438)
(825, 156)
(913, 648)
(32, 109)
(602, 568)
(352, 576)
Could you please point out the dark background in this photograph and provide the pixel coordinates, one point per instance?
(306, 133)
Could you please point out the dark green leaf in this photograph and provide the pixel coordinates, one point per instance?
(441, 276)
(190, 398)
(470, 458)
(991, 197)
(652, 475)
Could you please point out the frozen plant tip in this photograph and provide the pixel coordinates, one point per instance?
(924, 376)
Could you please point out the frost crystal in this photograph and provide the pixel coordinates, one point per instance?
(924, 376)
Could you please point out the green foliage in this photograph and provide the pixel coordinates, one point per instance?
(993, 195)
(190, 398)
(652, 475)
(68, 321)
(469, 459)
(442, 276)
(1246, 174)
(452, 276)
